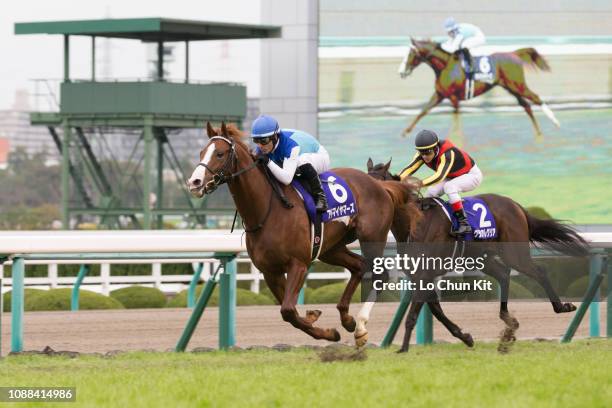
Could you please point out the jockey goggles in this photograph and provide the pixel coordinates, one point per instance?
(425, 152)
(263, 140)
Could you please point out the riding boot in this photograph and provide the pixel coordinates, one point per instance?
(469, 69)
(310, 176)
(463, 227)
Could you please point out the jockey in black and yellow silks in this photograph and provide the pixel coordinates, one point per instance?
(455, 172)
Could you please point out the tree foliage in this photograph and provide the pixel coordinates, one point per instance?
(29, 192)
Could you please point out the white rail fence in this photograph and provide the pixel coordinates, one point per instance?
(169, 284)
(148, 242)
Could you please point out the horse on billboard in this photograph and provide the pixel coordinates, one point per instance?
(505, 69)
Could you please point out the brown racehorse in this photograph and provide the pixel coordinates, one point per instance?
(278, 239)
(516, 229)
(451, 78)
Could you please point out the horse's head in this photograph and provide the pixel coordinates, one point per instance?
(380, 171)
(420, 50)
(218, 160)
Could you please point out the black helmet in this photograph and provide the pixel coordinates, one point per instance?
(426, 139)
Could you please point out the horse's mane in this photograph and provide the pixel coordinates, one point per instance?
(412, 204)
(437, 45)
(234, 132)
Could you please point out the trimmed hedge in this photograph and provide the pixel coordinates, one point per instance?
(515, 291)
(244, 297)
(267, 292)
(307, 294)
(29, 296)
(59, 299)
(578, 288)
(331, 294)
(139, 297)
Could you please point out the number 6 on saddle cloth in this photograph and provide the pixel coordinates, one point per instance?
(341, 203)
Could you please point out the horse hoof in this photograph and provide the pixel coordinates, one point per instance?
(510, 321)
(467, 339)
(361, 340)
(565, 308)
(313, 315)
(569, 307)
(335, 335)
(402, 350)
(349, 324)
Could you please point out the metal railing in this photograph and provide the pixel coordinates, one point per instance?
(44, 93)
(106, 282)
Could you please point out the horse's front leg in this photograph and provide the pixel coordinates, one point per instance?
(296, 273)
(435, 99)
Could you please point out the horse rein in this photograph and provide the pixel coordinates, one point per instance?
(221, 177)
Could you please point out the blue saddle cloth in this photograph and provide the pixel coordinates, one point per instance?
(340, 199)
(478, 215)
(483, 68)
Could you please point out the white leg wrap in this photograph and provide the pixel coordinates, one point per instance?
(363, 317)
(550, 114)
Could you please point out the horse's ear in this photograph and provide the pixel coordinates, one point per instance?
(388, 164)
(209, 130)
(224, 129)
(370, 164)
(412, 41)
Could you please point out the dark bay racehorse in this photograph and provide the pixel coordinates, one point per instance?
(278, 239)
(451, 79)
(516, 229)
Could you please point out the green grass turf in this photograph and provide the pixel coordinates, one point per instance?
(533, 374)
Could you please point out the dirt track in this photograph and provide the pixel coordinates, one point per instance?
(159, 329)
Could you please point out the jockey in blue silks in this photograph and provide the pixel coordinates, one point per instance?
(290, 153)
(462, 38)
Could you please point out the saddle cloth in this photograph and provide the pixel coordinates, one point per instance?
(478, 215)
(340, 199)
(340, 202)
(483, 68)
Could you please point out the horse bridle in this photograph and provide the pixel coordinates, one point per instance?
(420, 53)
(225, 175)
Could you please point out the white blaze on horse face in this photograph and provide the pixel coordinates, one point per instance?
(200, 172)
(403, 69)
(403, 66)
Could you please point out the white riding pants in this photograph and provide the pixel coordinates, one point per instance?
(319, 160)
(473, 42)
(452, 187)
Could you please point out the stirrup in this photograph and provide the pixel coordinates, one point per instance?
(321, 203)
(462, 230)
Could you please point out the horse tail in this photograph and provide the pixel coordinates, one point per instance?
(552, 234)
(531, 57)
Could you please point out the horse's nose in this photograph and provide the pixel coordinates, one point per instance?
(196, 182)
